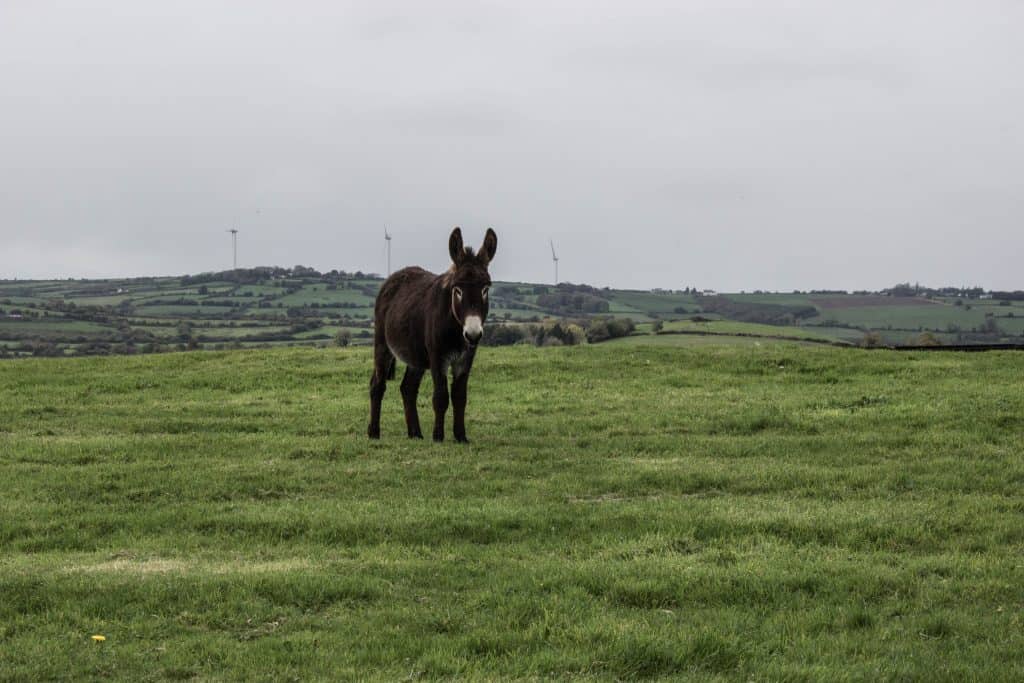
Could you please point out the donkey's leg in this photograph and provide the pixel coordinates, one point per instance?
(460, 386)
(440, 399)
(410, 389)
(383, 370)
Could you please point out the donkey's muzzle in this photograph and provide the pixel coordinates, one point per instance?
(473, 330)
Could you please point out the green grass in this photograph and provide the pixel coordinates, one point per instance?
(775, 512)
(51, 324)
(319, 294)
(687, 340)
(180, 311)
(235, 331)
(929, 316)
(650, 302)
(733, 327)
(779, 299)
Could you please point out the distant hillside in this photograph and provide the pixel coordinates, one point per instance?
(300, 306)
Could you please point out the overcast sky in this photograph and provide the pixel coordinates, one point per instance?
(727, 145)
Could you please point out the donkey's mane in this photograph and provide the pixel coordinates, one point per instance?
(469, 261)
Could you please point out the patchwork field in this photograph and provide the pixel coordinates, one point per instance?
(861, 301)
(299, 306)
(765, 510)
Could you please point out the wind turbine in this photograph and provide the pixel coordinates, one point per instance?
(234, 248)
(387, 240)
(554, 258)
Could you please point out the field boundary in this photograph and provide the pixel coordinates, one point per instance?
(847, 345)
(701, 333)
(953, 347)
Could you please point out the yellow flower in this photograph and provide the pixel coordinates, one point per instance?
(98, 638)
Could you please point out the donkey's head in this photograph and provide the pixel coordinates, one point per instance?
(468, 284)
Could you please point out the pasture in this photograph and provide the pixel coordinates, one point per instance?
(726, 512)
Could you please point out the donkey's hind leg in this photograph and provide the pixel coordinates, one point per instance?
(383, 370)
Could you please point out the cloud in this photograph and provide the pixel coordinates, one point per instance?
(719, 144)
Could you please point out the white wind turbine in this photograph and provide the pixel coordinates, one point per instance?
(234, 248)
(554, 258)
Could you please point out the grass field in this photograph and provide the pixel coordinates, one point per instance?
(773, 512)
(649, 302)
(689, 340)
(928, 316)
(739, 328)
(50, 323)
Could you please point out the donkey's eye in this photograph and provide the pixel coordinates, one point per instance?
(458, 294)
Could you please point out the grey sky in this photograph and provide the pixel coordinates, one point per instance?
(732, 145)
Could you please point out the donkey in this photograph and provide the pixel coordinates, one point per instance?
(431, 322)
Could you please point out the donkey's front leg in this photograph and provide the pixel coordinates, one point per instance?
(410, 389)
(460, 385)
(440, 400)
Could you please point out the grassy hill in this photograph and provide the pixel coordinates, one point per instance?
(274, 306)
(758, 510)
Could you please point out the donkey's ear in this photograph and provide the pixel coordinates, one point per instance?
(490, 245)
(455, 248)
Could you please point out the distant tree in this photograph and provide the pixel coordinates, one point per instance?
(598, 332)
(343, 337)
(620, 327)
(575, 334)
(871, 340)
(657, 326)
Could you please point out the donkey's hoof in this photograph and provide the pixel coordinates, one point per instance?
(373, 433)
(462, 439)
(416, 436)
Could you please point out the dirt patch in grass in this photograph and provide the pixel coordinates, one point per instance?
(164, 565)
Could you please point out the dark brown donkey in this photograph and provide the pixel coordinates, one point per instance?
(431, 322)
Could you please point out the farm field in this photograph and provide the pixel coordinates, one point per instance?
(688, 340)
(928, 316)
(302, 307)
(721, 512)
(792, 331)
